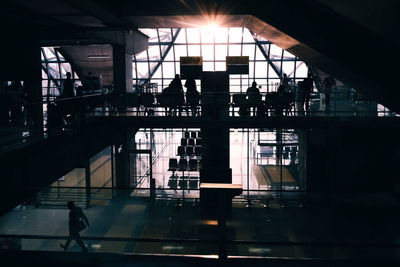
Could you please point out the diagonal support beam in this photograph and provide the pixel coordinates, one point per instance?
(164, 55)
(266, 55)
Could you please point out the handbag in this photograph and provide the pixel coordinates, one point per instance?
(81, 225)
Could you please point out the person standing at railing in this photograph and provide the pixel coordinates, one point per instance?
(307, 87)
(16, 97)
(192, 95)
(253, 97)
(329, 82)
(77, 222)
(68, 87)
(176, 88)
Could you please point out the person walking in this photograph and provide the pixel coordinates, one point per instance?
(77, 222)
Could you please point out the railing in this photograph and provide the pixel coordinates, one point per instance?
(343, 102)
(18, 120)
(199, 247)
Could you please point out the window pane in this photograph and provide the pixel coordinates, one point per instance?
(234, 50)
(180, 51)
(170, 54)
(287, 55)
(53, 70)
(272, 73)
(181, 38)
(261, 69)
(142, 56)
(142, 69)
(193, 35)
(165, 35)
(207, 52)
(301, 70)
(60, 56)
(288, 68)
(235, 35)
(207, 36)
(275, 52)
(154, 52)
(247, 37)
(44, 74)
(157, 74)
(194, 50)
(168, 69)
(221, 35)
(259, 55)
(208, 66)
(49, 52)
(234, 81)
(65, 67)
(234, 88)
(152, 33)
(221, 52)
(248, 50)
(220, 66)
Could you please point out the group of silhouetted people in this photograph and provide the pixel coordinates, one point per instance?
(173, 96)
(14, 104)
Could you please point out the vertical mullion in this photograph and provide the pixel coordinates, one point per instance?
(172, 37)
(241, 54)
(162, 69)
(269, 46)
(282, 62)
(160, 51)
(254, 62)
(214, 48)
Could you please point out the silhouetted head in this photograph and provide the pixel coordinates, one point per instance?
(254, 84)
(284, 75)
(71, 205)
(176, 76)
(68, 75)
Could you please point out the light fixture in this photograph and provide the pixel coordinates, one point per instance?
(98, 56)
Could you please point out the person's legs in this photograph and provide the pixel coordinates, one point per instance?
(65, 246)
(80, 242)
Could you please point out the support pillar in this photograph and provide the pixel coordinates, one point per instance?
(122, 68)
(87, 182)
(122, 166)
(215, 140)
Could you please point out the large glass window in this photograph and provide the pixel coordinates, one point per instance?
(54, 69)
(160, 62)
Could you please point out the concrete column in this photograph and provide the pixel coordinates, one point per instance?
(33, 83)
(21, 61)
(87, 182)
(122, 67)
(215, 140)
(122, 165)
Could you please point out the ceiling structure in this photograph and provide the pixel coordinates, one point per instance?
(355, 41)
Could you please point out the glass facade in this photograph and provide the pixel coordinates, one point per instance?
(160, 62)
(54, 69)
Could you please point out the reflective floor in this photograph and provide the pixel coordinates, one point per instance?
(315, 232)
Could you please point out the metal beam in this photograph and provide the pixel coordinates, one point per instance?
(163, 56)
(266, 55)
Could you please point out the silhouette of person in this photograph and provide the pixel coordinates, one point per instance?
(329, 82)
(68, 86)
(307, 89)
(77, 221)
(253, 89)
(192, 95)
(176, 88)
(253, 96)
(16, 96)
(285, 83)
